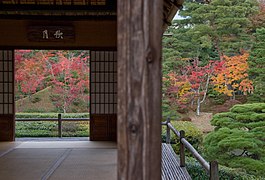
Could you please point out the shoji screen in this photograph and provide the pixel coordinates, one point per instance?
(6, 94)
(103, 95)
(103, 67)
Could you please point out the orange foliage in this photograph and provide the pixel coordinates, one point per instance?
(182, 84)
(233, 75)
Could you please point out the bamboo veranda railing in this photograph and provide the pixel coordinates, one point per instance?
(210, 167)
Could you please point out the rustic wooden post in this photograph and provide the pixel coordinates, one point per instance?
(59, 125)
(182, 149)
(139, 89)
(214, 170)
(168, 132)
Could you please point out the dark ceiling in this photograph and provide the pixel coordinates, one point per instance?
(78, 9)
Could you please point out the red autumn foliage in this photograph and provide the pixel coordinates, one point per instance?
(66, 72)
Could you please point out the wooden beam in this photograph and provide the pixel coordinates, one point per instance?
(41, 7)
(139, 89)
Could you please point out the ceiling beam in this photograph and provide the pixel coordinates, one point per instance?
(34, 7)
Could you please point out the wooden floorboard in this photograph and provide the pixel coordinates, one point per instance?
(171, 169)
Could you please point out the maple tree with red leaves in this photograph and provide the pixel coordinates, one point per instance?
(227, 76)
(30, 72)
(67, 72)
(69, 78)
(191, 87)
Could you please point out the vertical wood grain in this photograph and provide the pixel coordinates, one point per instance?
(214, 174)
(139, 89)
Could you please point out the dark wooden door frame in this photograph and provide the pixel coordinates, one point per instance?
(7, 102)
(139, 89)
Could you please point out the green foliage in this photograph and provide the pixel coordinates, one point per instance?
(239, 138)
(257, 65)
(75, 129)
(192, 134)
(220, 25)
(168, 110)
(198, 173)
(52, 115)
(50, 129)
(36, 129)
(255, 107)
(43, 105)
(209, 30)
(35, 99)
(216, 97)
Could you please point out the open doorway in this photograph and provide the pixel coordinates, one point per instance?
(56, 86)
(52, 93)
(102, 104)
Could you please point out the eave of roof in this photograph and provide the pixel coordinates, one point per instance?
(83, 9)
(171, 7)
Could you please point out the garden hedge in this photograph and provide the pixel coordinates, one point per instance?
(192, 134)
(239, 138)
(52, 115)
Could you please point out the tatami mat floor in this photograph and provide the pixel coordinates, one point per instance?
(65, 160)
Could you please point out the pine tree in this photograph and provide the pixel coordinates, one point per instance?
(257, 66)
(225, 22)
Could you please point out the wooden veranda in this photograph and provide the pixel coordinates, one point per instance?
(79, 158)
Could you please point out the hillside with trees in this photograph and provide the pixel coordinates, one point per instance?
(213, 66)
(62, 75)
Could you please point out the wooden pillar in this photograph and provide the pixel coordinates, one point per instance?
(139, 89)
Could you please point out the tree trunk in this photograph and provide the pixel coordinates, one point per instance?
(198, 106)
(234, 95)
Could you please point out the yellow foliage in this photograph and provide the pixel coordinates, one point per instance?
(233, 76)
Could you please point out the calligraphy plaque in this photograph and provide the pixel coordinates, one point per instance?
(51, 33)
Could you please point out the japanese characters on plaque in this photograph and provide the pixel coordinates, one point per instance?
(51, 33)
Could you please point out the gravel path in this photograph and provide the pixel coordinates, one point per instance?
(202, 122)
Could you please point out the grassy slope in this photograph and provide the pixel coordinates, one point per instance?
(44, 105)
(45, 129)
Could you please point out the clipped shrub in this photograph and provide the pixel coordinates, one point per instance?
(192, 134)
(197, 172)
(75, 129)
(36, 129)
(238, 141)
(35, 99)
(255, 107)
(50, 129)
(52, 115)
